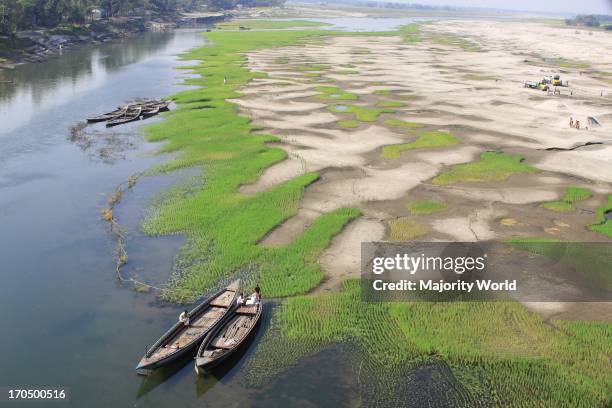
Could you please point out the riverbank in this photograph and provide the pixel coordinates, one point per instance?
(382, 136)
(38, 45)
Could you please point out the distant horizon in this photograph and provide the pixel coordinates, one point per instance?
(551, 6)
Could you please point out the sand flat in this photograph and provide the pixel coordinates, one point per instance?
(477, 96)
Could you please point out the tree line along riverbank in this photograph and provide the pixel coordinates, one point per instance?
(38, 44)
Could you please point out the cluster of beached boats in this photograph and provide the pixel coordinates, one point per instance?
(131, 112)
(217, 327)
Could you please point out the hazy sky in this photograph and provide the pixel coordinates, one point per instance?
(563, 6)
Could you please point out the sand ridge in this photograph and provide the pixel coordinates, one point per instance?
(477, 96)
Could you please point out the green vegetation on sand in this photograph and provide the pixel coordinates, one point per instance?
(603, 225)
(572, 195)
(362, 113)
(224, 227)
(403, 124)
(410, 33)
(425, 140)
(496, 353)
(335, 93)
(455, 41)
(389, 104)
(492, 166)
(312, 67)
(493, 354)
(424, 207)
(404, 229)
(480, 77)
(349, 124)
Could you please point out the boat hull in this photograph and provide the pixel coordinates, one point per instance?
(180, 340)
(204, 365)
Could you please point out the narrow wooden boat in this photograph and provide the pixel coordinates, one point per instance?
(150, 111)
(129, 115)
(107, 116)
(163, 106)
(180, 339)
(228, 336)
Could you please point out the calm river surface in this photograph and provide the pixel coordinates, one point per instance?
(66, 322)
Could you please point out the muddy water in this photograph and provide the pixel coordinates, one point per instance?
(66, 320)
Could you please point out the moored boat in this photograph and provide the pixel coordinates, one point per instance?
(182, 338)
(150, 111)
(107, 116)
(228, 337)
(129, 115)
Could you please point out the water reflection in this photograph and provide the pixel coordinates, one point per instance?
(30, 87)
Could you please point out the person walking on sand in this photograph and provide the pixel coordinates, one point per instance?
(571, 122)
(578, 124)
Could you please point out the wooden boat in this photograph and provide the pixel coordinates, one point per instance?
(150, 111)
(180, 339)
(129, 115)
(107, 116)
(227, 338)
(163, 106)
(153, 108)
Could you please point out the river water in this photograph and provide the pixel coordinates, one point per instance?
(66, 322)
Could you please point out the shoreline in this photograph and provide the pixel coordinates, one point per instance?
(38, 45)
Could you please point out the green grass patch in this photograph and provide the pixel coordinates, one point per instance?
(390, 104)
(349, 124)
(382, 92)
(404, 229)
(362, 113)
(559, 206)
(455, 41)
(572, 195)
(425, 207)
(410, 33)
(567, 63)
(492, 166)
(603, 225)
(479, 77)
(311, 67)
(335, 93)
(590, 261)
(559, 62)
(403, 124)
(345, 72)
(494, 351)
(425, 140)
(268, 24)
(223, 227)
